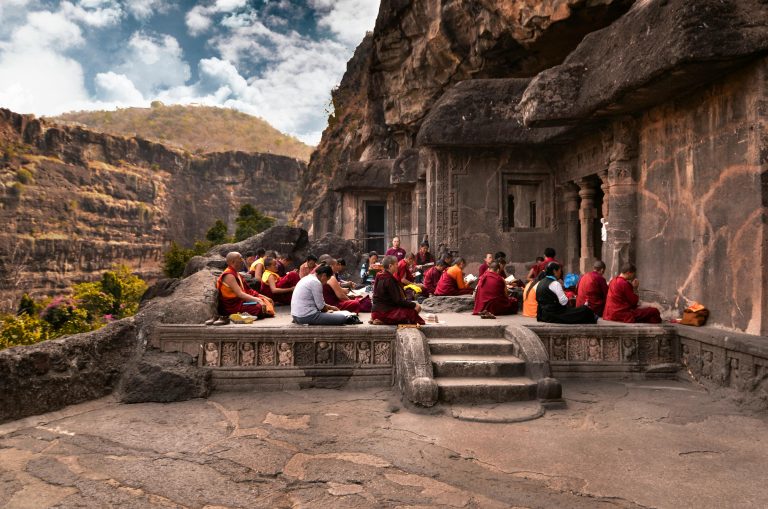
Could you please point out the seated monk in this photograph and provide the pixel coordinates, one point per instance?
(491, 297)
(284, 264)
(234, 295)
(390, 306)
(308, 266)
(592, 289)
(486, 262)
(336, 296)
(274, 286)
(621, 302)
(257, 267)
(405, 271)
(552, 302)
(432, 277)
(369, 268)
(452, 281)
(530, 305)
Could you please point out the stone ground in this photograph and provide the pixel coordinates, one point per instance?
(616, 444)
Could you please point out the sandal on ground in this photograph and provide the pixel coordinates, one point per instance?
(211, 321)
(488, 316)
(223, 320)
(376, 322)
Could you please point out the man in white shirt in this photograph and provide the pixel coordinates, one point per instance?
(307, 304)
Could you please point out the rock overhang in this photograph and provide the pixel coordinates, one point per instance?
(655, 52)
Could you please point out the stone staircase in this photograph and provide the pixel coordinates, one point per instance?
(477, 365)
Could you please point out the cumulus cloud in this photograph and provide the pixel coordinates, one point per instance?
(117, 88)
(145, 9)
(154, 62)
(342, 17)
(199, 18)
(97, 14)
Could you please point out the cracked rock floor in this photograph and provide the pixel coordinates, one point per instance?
(617, 444)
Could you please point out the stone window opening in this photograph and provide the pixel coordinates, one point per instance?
(522, 210)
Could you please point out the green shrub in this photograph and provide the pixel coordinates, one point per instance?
(251, 221)
(175, 259)
(21, 330)
(218, 233)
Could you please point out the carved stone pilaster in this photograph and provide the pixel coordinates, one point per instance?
(621, 196)
(572, 245)
(587, 217)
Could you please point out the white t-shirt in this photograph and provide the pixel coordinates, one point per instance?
(307, 298)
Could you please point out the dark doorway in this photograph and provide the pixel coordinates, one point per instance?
(375, 226)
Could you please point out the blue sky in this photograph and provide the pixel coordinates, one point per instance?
(276, 59)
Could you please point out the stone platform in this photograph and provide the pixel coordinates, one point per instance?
(277, 354)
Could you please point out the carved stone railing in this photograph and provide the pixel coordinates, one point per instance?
(595, 351)
(286, 357)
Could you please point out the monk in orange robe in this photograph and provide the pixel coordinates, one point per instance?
(452, 281)
(278, 288)
(234, 295)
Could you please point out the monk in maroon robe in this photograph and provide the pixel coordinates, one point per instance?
(491, 296)
(452, 281)
(592, 289)
(621, 303)
(549, 257)
(280, 289)
(432, 277)
(390, 306)
(486, 262)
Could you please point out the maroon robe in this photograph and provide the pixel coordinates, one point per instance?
(389, 303)
(404, 271)
(482, 270)
(290, 280)
(492, 296)
(229, 303)
(542, 266)
(399, 253)
(358, 305)
(431, 278)
(592, 291)
(621, 304)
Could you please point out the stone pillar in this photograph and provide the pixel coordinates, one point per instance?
(621, 196)
(587, 216)
(572, 244)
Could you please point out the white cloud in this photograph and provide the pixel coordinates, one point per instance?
(112, 87)
(348, 19)
(145, 9)
(95, 13)
(200, 18)
(154, 63)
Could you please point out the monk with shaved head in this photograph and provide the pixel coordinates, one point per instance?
(235, 296)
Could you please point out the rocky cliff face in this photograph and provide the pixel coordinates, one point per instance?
(74, 202)
(417, 51)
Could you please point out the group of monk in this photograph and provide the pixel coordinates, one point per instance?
(401, 280)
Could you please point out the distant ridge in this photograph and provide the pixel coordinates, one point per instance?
(197, 129)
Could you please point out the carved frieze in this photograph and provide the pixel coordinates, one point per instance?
(364, 352)
(304, 354)
(345, 353)
(247, 355)
(323, 352)
(577, 349)
(229, 354)
(285, 354)
(382, 352)
(211, 354)
(266, 354)
(611, 350)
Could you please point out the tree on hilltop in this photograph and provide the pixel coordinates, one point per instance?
(251, 221)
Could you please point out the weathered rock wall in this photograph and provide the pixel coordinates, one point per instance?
(701, 201)
(53, 374)
(417, 51)
(74, 202)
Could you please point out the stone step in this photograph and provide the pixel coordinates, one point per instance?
(475, 346)
(465, 331)
(485, 390)
(477, 366)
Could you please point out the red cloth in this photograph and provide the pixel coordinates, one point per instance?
(592, 291)
(492, 296)
(290, 280)
(431, 278)
(621, 304)
(230, 303)
(359, 305)
(404, 271)
(482, 270)
(398, 316)
(388, 294)
(447, 286)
